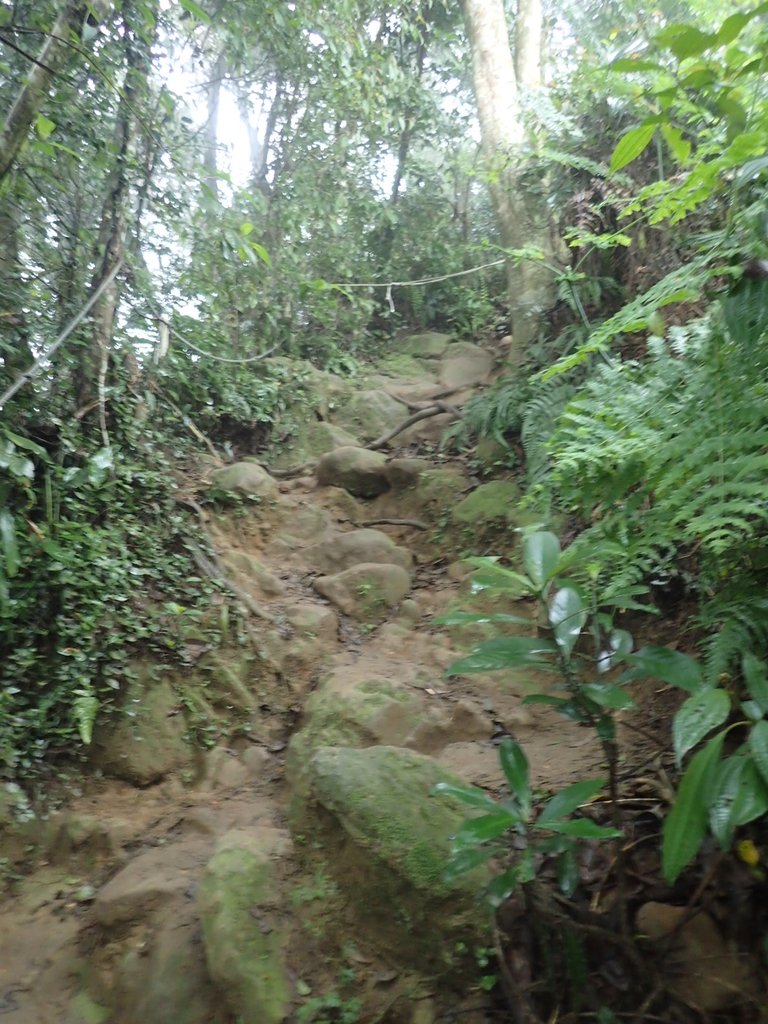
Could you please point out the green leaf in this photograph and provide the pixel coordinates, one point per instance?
(467, 618)
(583, 828)
(567, 872)
(686, 824)
(699, 715)
(631, 145)
(262, 253)
(726, 785)
(85, 708)
(9, 543)
(732, 27)
(495, 577)
(757, 743)
(567, 800)
(608, 695)
(670, 666)
(756, 678)
(467, 860)
(467, 795)
(44, 126)
(541, 553)
(504, 652)
(26, 444)
(752, 799)
(514, 764)
(567, 615)
(487, 826)
(679, 147)
(684, 40)
(503, 885)
(631, 64)
(196, 10)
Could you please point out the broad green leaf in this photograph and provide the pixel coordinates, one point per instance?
(514, 764)
(44, 126)
(630, 64)
(679, 147)
(752, 799)
(583, 828)
(756, 678)
(699, 715)
(468, 618)
(608, 696)
(732, 27)
(467, 860)
(492, 576)
(631, 145)
(684, 40)
(467, 795)
(262, 253)
(9, 543)
(567, 615)
(196, 10)
(503, 885)
(567, 800)
(246, 228)
(541, 553)
(686, 824)
(487, 826)
(727, 782)
(24, 442)
(757, 743)
(504, 652)
(620, 644)
(734, 113)
(665, 664)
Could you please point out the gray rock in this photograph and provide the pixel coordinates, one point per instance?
(465, 364)
(366, 592)
(245, 477)
(344, 550)
(360, 472)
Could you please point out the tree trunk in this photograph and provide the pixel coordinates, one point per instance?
(213, 97)
(52, 58)
(528, 44)
(15, 353)
(523, 218)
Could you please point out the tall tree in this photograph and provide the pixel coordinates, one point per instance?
(522, 217)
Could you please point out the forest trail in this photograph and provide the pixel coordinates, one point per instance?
(103, 925)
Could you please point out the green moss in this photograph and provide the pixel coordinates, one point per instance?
(403, 365)
(494, 502)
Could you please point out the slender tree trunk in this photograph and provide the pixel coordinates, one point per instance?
(15, 353)
(53, 56)
(213, 97)
(528, 44)
(523, 218)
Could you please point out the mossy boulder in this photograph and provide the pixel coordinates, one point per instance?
(367, 591)
(244, 937)
(308, 442)
(439, 490)
(244, 478)
(145, 738)
(403, 366)
(494, 503)
(369, 414)
(387, 841)
(359, 471)
(342, 713)
(429, 345)
(343, 550)
(464, 364)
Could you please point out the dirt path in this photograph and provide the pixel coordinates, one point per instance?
(101, 926)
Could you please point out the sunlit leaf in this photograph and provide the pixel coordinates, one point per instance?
(467, 795)
(9, 543)
(504, 652)
(567, 614)
(631, 145)
(697, 717)
(541, 553)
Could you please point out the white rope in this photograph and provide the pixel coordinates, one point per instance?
(413, 284)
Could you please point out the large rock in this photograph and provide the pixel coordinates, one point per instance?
(492, 504)
(387, 842)
(145, 739)
(429, 345)
(313, 621)
(370, 414)
(311, 439)
(366, 592)
(344, 550)
(405, 473)
(245, 478)
(357, 470)
(243, 932)
(464, 364)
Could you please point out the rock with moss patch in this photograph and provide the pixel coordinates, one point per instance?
(464, 364)
(366, 592)
(387, 840)
(369, 414)
(491, 504)
(429, 345)
(245, 478)
(359, 471)
(145, 739)
(405, 473)
(344, 550)
(243, 933)
(309, 441)
(314, 621)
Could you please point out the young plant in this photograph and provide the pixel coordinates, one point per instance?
(716, 793)
(568, 611)
(550, 832)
